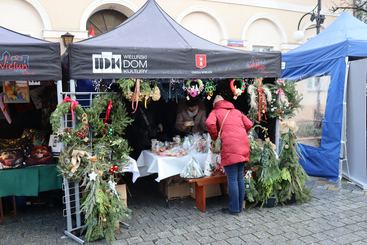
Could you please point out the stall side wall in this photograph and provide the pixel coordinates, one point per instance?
(355, 169)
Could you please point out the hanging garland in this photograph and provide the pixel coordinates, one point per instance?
(193, 90)
(142, 91)
(237, 91)
(286, 100)
(260, 97)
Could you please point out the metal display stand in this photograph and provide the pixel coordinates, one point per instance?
(72, 210)
(72, 191)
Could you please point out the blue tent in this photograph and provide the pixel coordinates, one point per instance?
(327, 54)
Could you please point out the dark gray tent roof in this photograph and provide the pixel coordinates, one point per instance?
(164, 49)
(27, 58)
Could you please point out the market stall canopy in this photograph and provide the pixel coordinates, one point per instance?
(326, 54)
(27, 58)
(150, 44)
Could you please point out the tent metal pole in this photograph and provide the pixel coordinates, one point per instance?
(277, 135)
(343, 142)
(59, 91)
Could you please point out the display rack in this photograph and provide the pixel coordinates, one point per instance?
(72, 211)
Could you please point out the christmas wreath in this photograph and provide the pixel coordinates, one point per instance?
(193, 88)
(210, 88)
(286, 100)
(108, 116)
(80, 132)
(237, 90)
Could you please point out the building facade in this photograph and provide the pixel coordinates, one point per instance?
(246, 24)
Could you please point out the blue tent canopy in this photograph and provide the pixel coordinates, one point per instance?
(327, 54)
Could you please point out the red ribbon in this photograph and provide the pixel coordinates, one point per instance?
(73, 104)
(108, 112)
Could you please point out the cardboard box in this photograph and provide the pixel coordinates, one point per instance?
(175, 188)
(121, 190)
(211, 191)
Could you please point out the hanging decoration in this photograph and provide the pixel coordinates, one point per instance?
(210, 88)
(156, 93)
(286, 100)
(142, 92)
(193, 88)
(237, 91)
(260, 97)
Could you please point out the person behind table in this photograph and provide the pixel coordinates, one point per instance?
(191, 116)
(235, 150)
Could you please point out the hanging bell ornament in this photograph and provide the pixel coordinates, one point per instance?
(156, 93)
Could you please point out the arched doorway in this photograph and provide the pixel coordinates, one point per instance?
(103, 21)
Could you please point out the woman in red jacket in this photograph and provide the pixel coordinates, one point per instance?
(235, 150)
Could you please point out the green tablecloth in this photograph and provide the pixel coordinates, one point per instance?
(29, 181)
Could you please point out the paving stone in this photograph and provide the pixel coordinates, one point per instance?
(235, 241)
(134, 240)
(220, 243)
(164, 234)
(331, 217)
(177, 239)
(162, 241)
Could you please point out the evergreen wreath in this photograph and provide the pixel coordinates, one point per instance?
(80, 133)
(60, 112)
(118, 118)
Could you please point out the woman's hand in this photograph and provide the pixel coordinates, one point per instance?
(189, 123)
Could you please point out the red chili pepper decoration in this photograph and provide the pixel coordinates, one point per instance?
(108, 112)
(261, 104)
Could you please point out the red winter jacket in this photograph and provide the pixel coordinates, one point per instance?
(235, 143)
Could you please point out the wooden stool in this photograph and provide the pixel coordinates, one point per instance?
(200, 188)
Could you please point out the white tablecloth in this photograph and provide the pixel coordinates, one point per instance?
(133, 168)
(150, 163)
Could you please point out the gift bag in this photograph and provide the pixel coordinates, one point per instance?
(192, 170)
(209, 164)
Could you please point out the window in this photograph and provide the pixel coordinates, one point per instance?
(309, 118)
(258, 48)
(103, 21)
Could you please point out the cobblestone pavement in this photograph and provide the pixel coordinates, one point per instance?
(336, 215)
